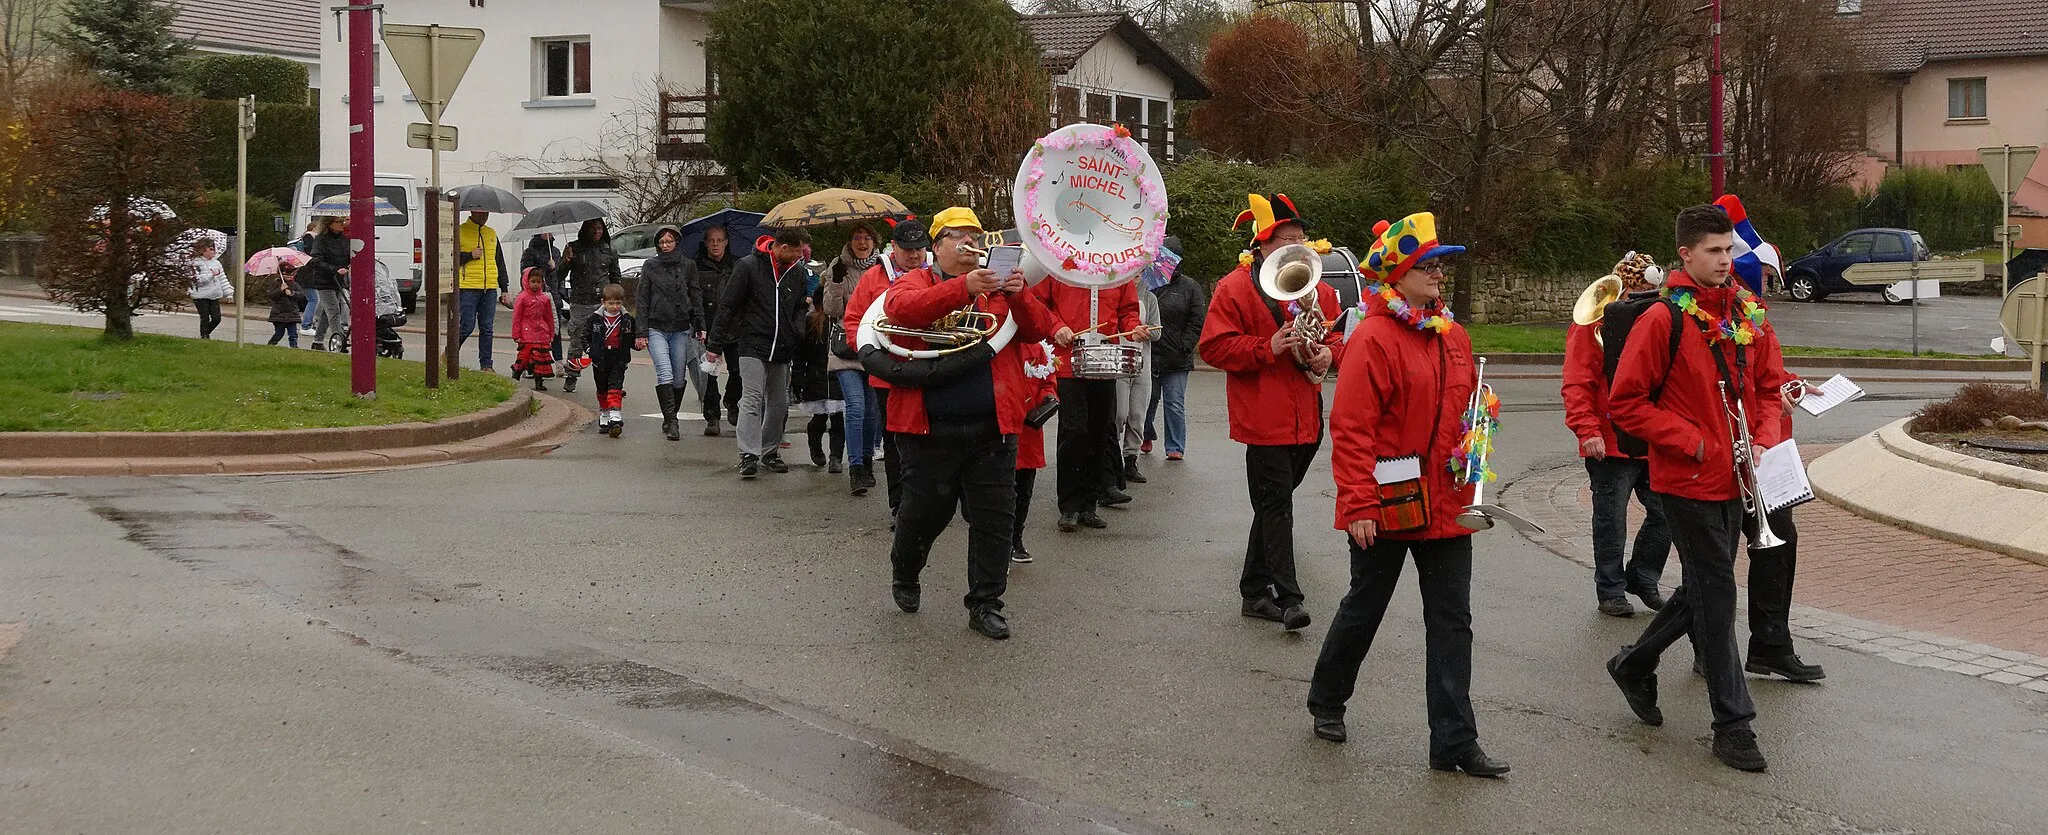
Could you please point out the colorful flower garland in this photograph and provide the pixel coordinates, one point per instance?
(1436, 318)
(1116, 140)
(1468, 463)
(1741, 330)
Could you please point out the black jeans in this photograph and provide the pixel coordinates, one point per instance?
(1707, 535)
(731, 399)
(892, 464)
(1443, 570)
(972, 467)
(209, 316)
(1026, 480)
(1086, 440)
(1271, 473)
(1613, 479)
(1770, 589)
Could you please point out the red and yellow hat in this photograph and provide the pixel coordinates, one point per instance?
(1401, 245)
(1267, 215)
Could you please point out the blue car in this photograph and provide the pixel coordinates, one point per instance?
(1818, 274)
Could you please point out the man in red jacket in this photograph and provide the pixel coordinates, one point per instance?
(1274, 410)
(909, 248)
(1613, 471)
(958, 439)
(1090, 444)
(1682, 405)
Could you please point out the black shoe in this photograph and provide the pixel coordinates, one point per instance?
(1331, 729)
(750, 466)
(540, 384)
(569, 383)
(838, 465)
(618, 426)
(906, 597)
(1737, 749)
(1088, 519)
(862, 479)
(1474, 762)
(773, 461)
(517, 373)
(1652, 599)
(989, 621)
(1131, 473)
(817, 457)
(1618, 607)
(711, 428)
(1018, 554)
(1788, 665)
(671, 428)
(1640, 691)
(1294, 617)
(1112, 497)
(1264, 609)
(1070, 522)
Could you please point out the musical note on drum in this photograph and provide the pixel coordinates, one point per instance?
(1131, 228)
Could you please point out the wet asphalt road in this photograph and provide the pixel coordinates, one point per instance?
(622, 636)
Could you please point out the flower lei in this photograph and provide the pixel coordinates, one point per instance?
(1468, 463)
(1117, 140)
(1436, 318)
(1742, 331)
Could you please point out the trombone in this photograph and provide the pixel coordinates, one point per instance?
(1744, 452)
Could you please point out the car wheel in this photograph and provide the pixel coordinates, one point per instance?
(1804, 289)
(1893, 298)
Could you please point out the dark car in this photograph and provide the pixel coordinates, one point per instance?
(1818, 274)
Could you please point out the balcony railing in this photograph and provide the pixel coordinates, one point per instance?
(684, 120)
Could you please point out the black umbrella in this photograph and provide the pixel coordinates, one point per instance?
(562, 213)
(483, 198)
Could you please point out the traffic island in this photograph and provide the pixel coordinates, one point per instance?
(1894, 478)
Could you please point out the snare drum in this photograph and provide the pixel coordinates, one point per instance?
(1105, 361)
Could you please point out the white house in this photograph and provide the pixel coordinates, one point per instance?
(1107, 68)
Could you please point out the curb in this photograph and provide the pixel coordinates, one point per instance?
(529, 428)
(1889, 477)
(104, 445)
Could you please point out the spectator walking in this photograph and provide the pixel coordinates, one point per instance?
(760, 321)
(209, 286)
(533, 329)
(590, 265)
(286, 302)
(1183, 306)
(863, 415)
(542, 254)
(715, 262)
(482, 283)
(671, 316)
(327, 276)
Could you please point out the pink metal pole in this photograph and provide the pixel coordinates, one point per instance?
(1717, 155)
(362, 215)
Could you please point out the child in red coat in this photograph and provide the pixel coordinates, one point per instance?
(533, 327)
(1040, 374)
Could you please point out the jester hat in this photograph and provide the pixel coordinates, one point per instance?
(1267, 215)
(1401, 245)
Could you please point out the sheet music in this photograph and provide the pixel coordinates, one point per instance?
(1835, 392)
(1397, 470)
(1781, 477)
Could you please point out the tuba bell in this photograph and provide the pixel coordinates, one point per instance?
(1291, 273)
(1593, 302)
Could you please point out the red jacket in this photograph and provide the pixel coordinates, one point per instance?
(1585, 387)
(1272, 403)
(533, 318)
(920, 297)
(1690, 415)
(871, 285)
(1401, 392)
(1031, 441)
(1118, 311)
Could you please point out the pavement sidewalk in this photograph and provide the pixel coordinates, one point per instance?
(1862, 585)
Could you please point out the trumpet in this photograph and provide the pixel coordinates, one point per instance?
(1744, 452)
(1294, 272)
(1592, 304)
(1469, 466)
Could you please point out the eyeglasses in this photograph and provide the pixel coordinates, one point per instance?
(1436, 267)
(1290, 239)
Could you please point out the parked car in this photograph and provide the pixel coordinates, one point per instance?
(400, 248)
(1818, 274)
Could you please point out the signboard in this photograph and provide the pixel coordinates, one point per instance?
(1897, 271)
(1091, 206)
(2008, 165)
(424, 137)
(2019, 315)
(432, 58)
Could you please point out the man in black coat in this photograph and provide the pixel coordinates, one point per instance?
(760, 321)
(715, 261)
(1183, 306)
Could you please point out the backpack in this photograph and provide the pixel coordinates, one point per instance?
(1615, 322)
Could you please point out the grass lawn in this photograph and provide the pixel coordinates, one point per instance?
(1549, 339)
(57, 378)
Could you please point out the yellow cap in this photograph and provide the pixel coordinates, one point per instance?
(955, 217)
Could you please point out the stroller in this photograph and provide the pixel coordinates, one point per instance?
(390, 317)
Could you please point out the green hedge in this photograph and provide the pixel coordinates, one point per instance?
(1343, 202)
(216, 210)
(1953, 208)
(286, 145)
(269, 78)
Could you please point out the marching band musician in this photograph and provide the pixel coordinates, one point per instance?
(1676, 403)
(1771, 569)
(909, 244)
(1275, 411)
(958, 439)
(1407, 377)
(1090, 440)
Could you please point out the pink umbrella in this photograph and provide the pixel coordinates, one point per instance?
(270, 261)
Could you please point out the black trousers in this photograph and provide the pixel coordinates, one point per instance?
(209, 316)
(1770, 589)
(1087, 442)
(732, 393)
(972, 467)
(1707, 534)
(1271, 473)
(1443, 570)
(1026, 481)
(892, 464)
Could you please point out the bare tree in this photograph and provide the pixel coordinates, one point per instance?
(990, 121)
(26, 50)
(650, 185)
(1797, 100)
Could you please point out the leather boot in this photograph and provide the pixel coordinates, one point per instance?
(1131, 473)
(666, 393)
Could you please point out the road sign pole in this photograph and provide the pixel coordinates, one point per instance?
(362, 215)
(433, 281)
(1914, 283)
(245, 124)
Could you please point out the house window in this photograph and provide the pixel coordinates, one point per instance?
(1848, 7)
(570, 184)
(1066, 105)
(1098, 109)
(1966, 98)
(562, 66)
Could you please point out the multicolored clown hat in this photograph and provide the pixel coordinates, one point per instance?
(1267, 215)
(1401, 245)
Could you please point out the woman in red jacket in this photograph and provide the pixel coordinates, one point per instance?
(1041, 374)
(1407, 374)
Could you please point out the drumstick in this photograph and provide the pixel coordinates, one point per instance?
(1134, 331)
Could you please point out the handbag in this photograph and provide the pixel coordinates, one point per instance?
(1404, 498)
(835, 336)
(1038, 415)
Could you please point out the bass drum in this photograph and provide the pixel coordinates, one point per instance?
(870, 335)
(1098, 195)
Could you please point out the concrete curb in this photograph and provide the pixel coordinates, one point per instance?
(56, 445)
(529, 427)
(1891, 478)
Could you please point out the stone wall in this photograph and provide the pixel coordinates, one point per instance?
(1509, 295)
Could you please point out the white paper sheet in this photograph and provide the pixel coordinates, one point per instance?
(1396, 470)
(1781, 477)
(1835, 392)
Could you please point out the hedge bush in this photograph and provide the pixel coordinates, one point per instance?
(1342, 202)
(267, 77)
(215, 209)
(1953, 208)
(286, 145)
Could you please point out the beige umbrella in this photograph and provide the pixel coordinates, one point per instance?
(834, 205)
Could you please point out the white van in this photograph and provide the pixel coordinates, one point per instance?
(400, 245)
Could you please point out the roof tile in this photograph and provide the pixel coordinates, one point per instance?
(282, 27)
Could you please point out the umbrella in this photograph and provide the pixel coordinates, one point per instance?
(739, 227)
(483, 198)
(138, 207)
(191, 237)
(340, 206)
(270, 260)
(834, 205)
(561, 213)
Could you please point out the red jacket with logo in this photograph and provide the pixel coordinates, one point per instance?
(1585, 387)
(1401, 392)
(920, 297)
(1272, 403)
(1117, 311)
(1689, 417)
